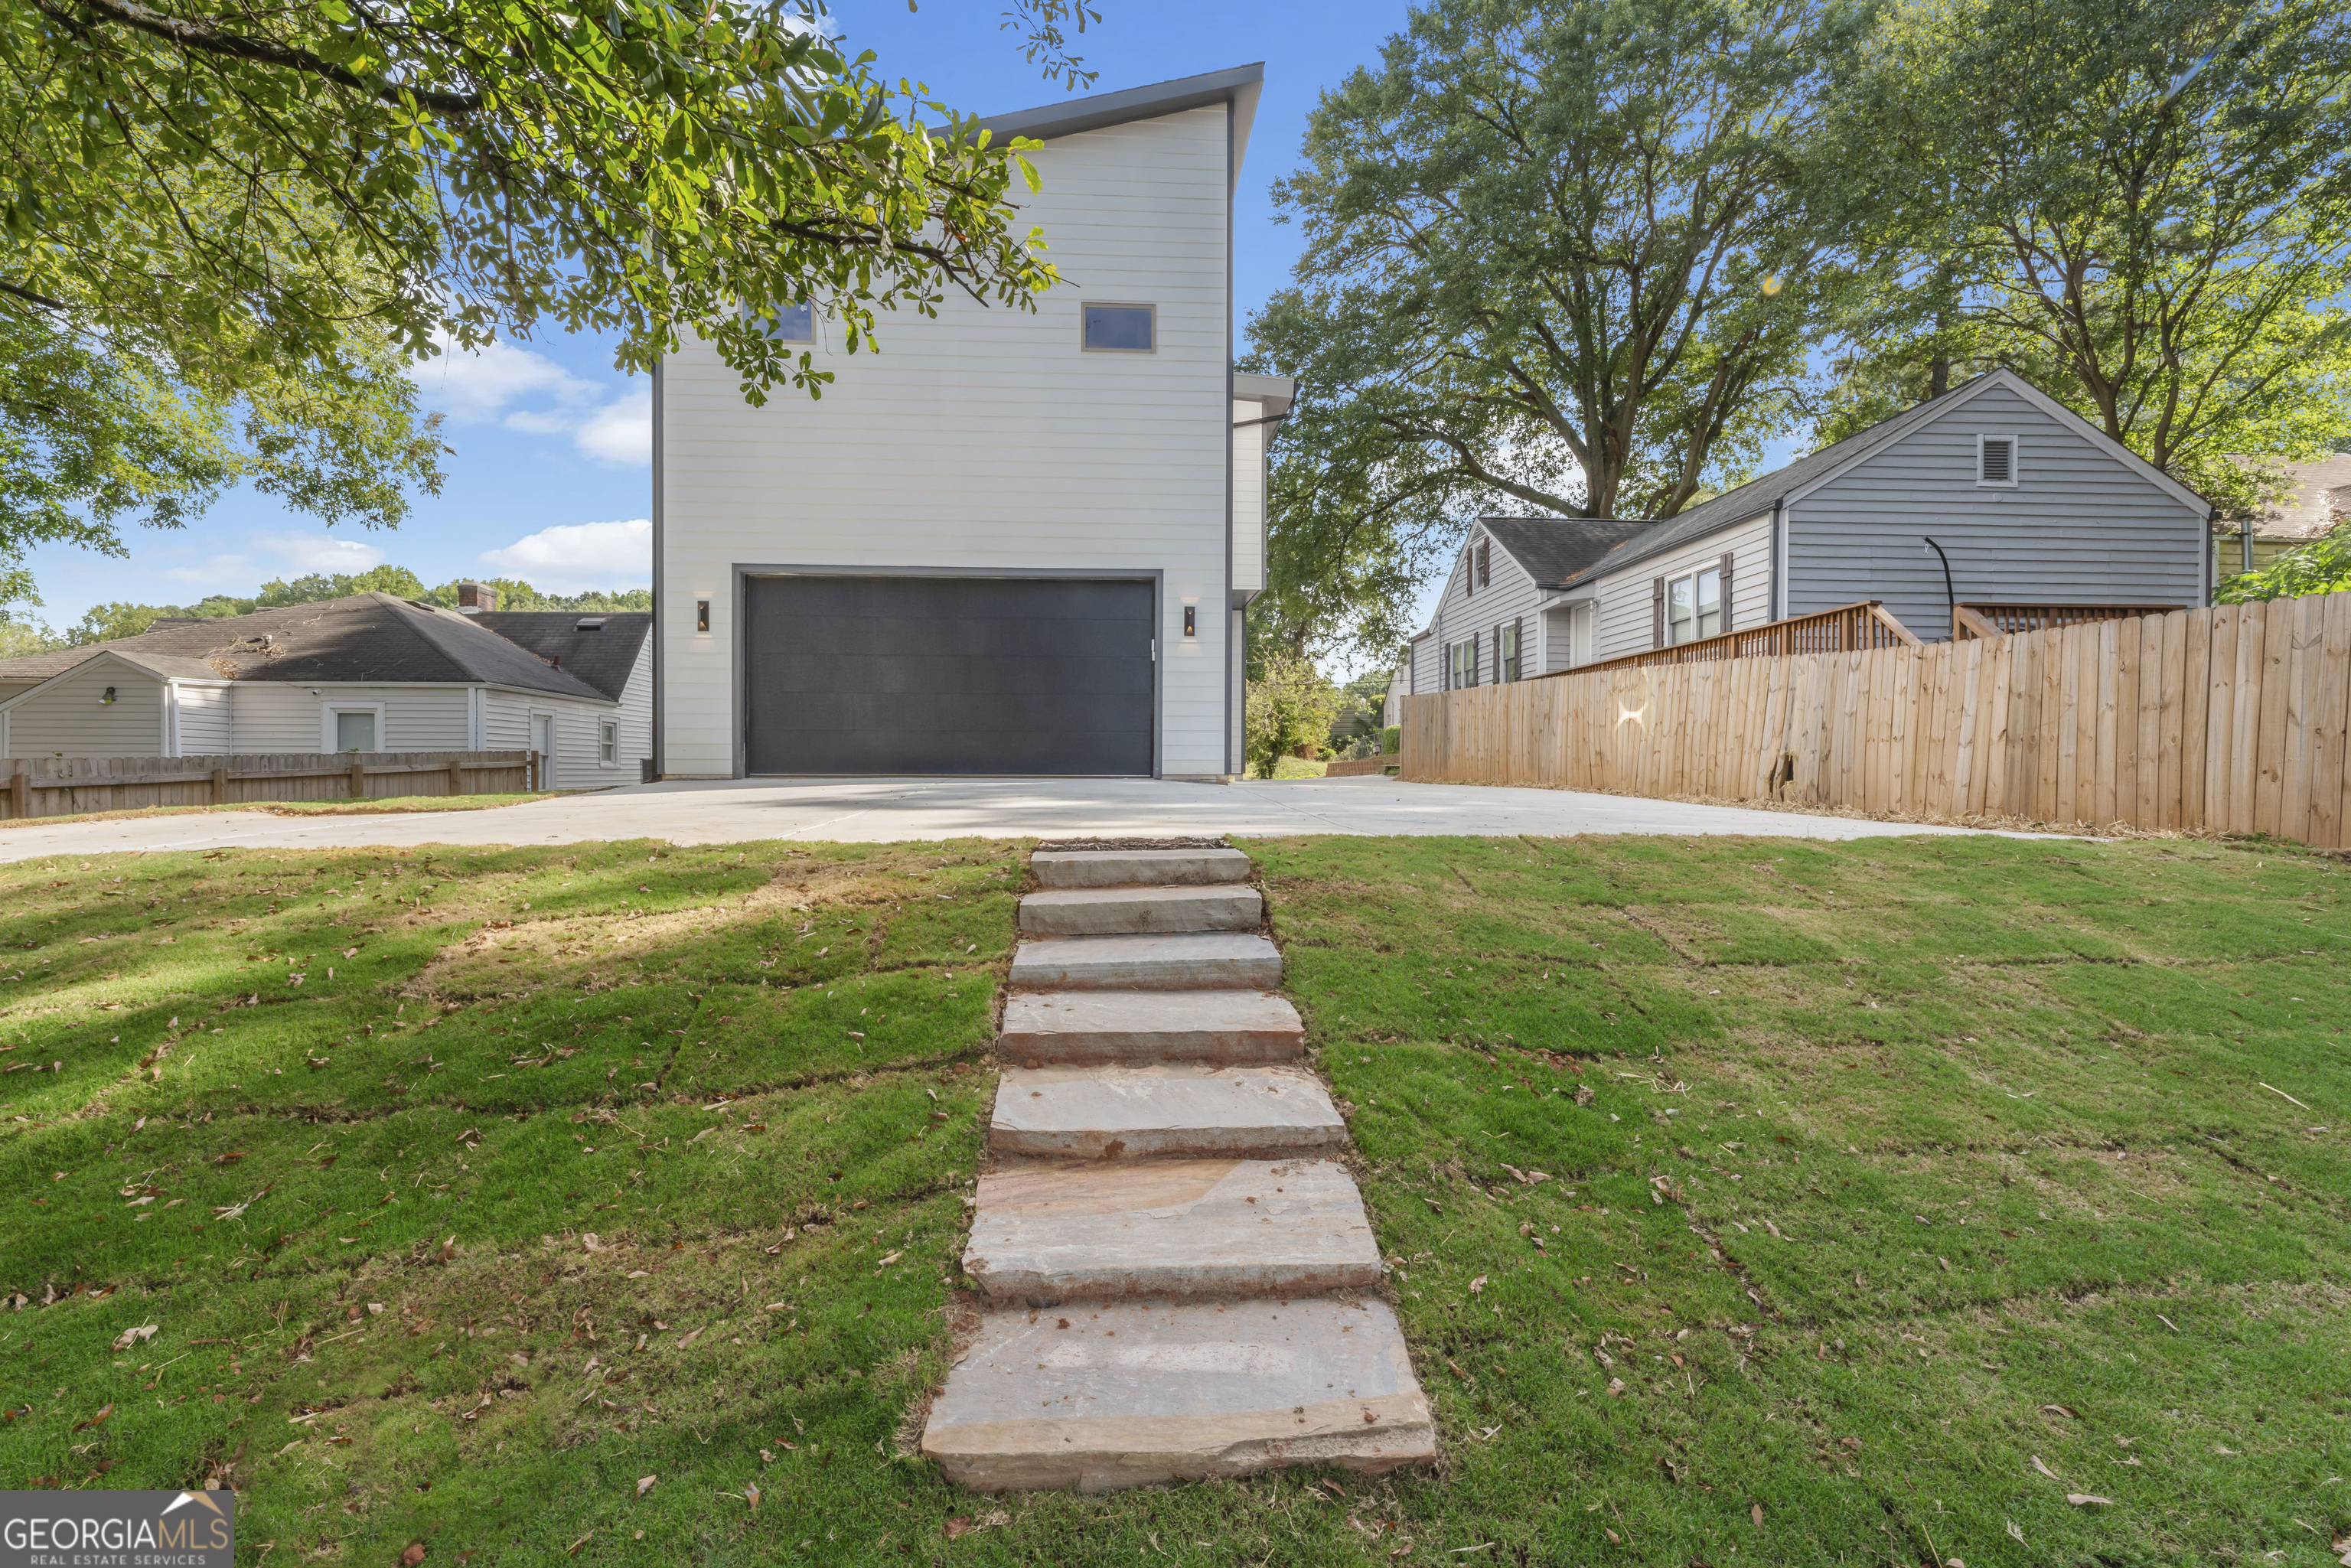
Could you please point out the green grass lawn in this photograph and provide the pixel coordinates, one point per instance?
(1876, 1197)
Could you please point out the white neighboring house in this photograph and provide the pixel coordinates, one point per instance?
(1010, 542)
(368, 672)
(2027, 503)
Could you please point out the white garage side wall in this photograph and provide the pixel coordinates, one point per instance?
(69, 718)
(273, 716)
(1626, 620)
(1248, 496)
(986, 440)
(205, 725)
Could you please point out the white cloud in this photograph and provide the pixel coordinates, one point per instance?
(622, 431)
(532, 395)
(575, 556)
(319, 552)
(473, 387)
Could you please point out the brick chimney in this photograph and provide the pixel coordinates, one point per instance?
(473, 599)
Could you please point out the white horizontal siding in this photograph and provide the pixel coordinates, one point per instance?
(271, 717)
(1627, 613)
(986, 439)
(206, 722)
(70, 718)
(1248, 496)
(2081, 525)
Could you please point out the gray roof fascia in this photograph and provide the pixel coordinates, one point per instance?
(1237, 85)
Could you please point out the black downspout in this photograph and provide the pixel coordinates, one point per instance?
(1949, 594)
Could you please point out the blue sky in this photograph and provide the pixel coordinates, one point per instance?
(550, 476)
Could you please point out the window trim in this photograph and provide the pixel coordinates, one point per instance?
(607, 728)
(328, 710)
(1699, 633)
(2015, 459)
(1510, 649)
(1149, 309)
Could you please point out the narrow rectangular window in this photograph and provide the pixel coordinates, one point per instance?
(1681, 610)
(1709, 604)
(355, 731)
(608, 744)
(1120, 328)
(791, 324)
(1507, 638)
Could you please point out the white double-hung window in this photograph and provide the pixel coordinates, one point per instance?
(1693, 606)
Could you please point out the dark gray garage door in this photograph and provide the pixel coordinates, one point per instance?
(936, 675)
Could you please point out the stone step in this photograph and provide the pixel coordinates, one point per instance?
(1147, 868)
(1089, 1028)
(1125, 911)
(1064, 1231)
(1141, 1113)
(1189, 961)
(1133, 1393)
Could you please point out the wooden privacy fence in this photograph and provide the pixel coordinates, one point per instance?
(2232, 718)
(63, 786)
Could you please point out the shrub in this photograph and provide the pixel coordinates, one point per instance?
(1289, 707)
(1392, 740)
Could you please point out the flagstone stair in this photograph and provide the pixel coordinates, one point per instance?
(1168, 1248)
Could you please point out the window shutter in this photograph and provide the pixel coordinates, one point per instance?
(1727, 558)
(1518, 647)
(1501, 671)
(1656, 612)
(1485, 563)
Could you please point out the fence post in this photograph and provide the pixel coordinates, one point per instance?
(220, 786)
(358, 780)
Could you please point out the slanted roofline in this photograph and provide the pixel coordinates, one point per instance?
(1237, 85)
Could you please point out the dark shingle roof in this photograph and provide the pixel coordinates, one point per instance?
(371, 637)
(1757, 494)
(1553, 549)
(597, 645)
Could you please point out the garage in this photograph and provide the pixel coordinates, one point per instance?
(948, 674)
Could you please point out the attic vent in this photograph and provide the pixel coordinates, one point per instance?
(590, 624)
(1996, 460)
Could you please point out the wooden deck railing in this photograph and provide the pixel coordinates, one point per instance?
(2000, 620)
(1849, 628)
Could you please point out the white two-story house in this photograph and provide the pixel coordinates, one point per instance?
(1009, 543)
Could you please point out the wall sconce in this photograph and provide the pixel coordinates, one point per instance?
(1188, 629)
(702, 616)
(109, 696)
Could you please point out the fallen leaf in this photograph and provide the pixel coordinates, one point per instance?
(751, 1496)
(2061, 1410)
(957, 1529)
(102, 1416)
(130, 1337)
(2017, 1534)
(412, 1555)
(573, 1550)
(1755, 1513)
(2045, 1469)
(2084, 1500)
(1477, 1285)
(888, 1258)
(646, 1484)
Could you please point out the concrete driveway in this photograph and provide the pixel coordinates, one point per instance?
(870, 810)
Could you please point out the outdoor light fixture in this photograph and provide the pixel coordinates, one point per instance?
(109, 696)
(1188, 630)
(702, 616)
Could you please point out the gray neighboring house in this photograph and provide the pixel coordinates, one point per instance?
(2030, 503)
(367, 673)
